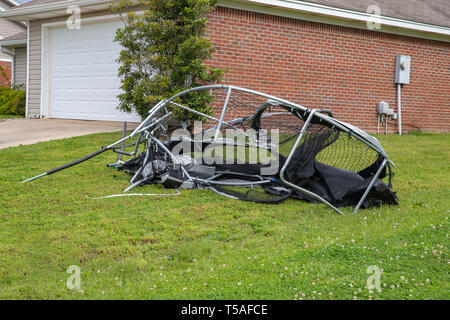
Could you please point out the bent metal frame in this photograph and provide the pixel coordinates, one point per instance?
(146, 129)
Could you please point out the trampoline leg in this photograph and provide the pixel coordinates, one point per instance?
(122, 146)
(366, 193)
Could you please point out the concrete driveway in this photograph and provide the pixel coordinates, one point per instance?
(29, 131)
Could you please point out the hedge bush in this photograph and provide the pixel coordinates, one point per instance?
(12, 101)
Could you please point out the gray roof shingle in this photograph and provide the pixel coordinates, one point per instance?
(435, 12)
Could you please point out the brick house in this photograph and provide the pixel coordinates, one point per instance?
(329, 54)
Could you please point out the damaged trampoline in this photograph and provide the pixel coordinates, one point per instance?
(254, 147)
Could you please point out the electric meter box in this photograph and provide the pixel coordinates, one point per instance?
(383, 107)
(402, 69)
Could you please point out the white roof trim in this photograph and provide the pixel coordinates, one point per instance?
(302, 6)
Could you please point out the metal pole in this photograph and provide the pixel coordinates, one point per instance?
(399, 107)
(385, 124)
(122, 147)
(152, 113)
(291, 154)
(103, 149)
(370, 186)
(224, 109)
(174, 159)
(36, 177)
(227, 123)
(378, 124)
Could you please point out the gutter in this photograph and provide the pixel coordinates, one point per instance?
(9, 43)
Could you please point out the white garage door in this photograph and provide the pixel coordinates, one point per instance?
(83, 73)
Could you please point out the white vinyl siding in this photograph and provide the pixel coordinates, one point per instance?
(20, 66)
(7, 29)
(34, 72)
(10, 28)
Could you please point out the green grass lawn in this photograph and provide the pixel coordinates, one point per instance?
(200, 245)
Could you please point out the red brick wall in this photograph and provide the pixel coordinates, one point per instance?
(323, 66)
(7, 69)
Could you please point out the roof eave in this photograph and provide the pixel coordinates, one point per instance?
(29, 12)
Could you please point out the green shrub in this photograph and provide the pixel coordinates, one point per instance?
(164, 51)
(12, 101)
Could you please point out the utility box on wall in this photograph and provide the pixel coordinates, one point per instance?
(402, 69)
(383, 107)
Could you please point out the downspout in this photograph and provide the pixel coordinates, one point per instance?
(27, 83)
(402, 75)
(399, 108)
(13, 63)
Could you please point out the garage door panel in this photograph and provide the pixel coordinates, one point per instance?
(104, 86)
(83, 73)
